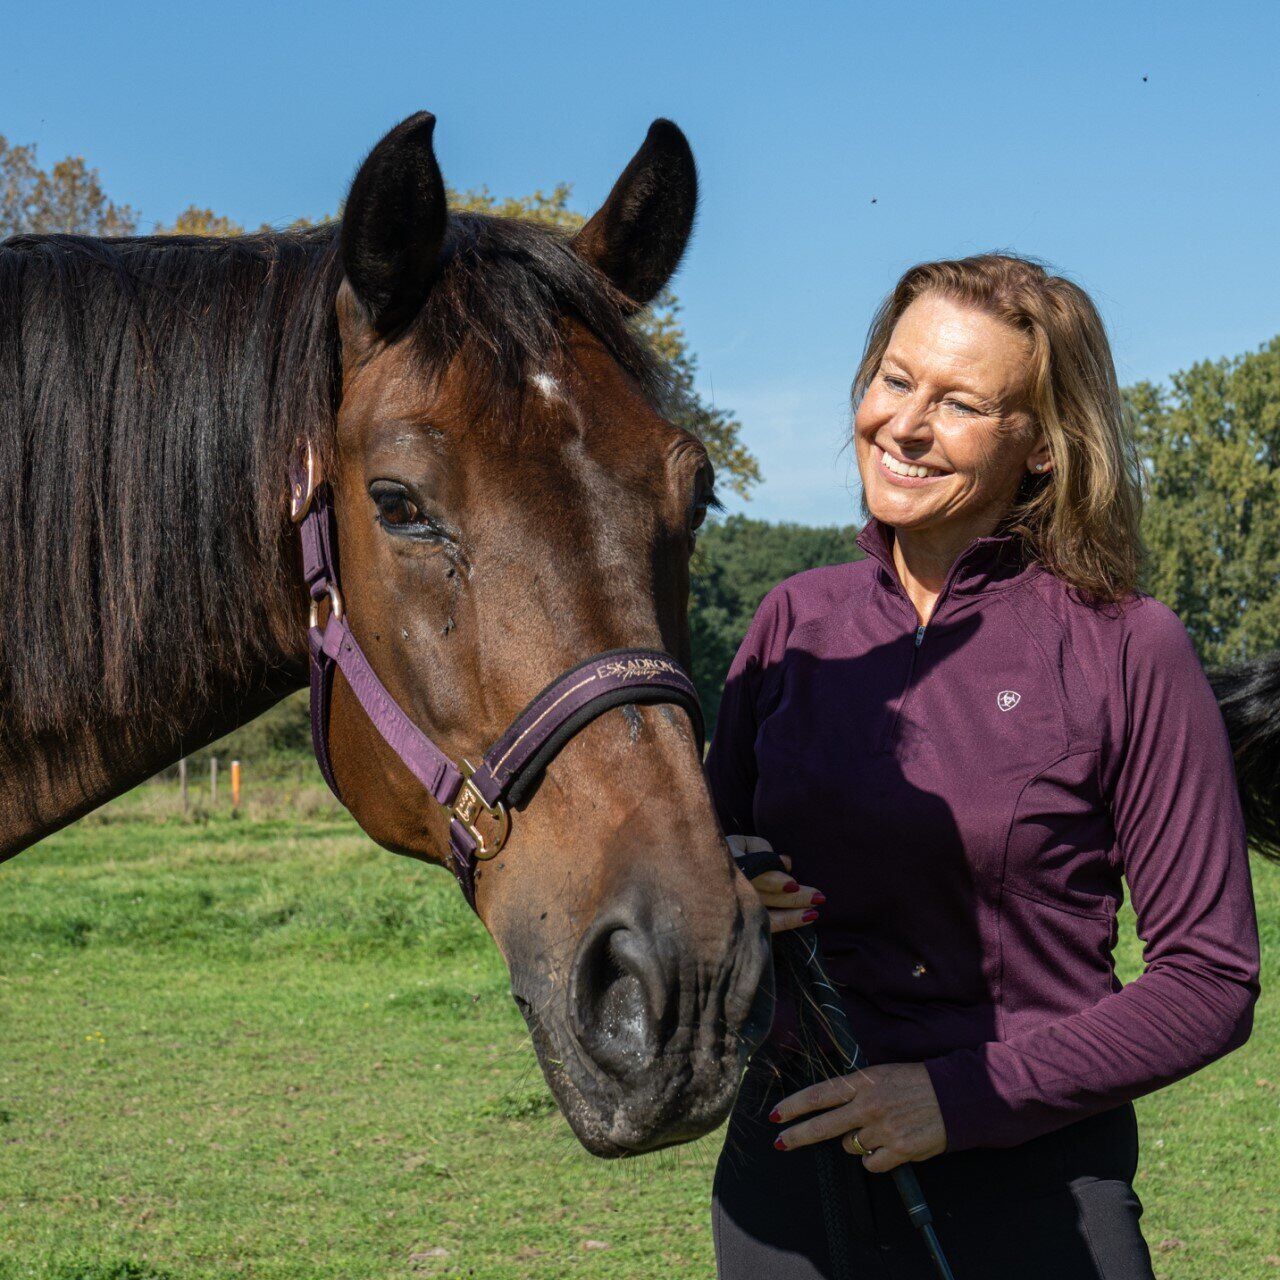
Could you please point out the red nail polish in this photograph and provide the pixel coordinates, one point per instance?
(775, 1115)
(808, 916)
(818, 897)
(791, 887)
(778, 1142)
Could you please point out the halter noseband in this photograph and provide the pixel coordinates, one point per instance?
(478, 800)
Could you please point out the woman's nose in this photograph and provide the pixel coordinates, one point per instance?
(911, 423)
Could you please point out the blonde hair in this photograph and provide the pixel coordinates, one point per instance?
(1080, 518)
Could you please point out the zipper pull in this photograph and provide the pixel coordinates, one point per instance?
(919, 634)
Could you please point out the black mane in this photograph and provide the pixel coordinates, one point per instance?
(151, 391)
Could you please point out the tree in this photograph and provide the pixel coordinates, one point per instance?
(1211, 445)
(67, 198)
(194, 221)
(736, 562)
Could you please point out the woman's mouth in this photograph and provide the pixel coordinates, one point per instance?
(909, 474)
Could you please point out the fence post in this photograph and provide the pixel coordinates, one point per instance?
(235, 786)
(213, 781)
(182, 781)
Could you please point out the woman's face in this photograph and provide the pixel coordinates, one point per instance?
(944, 434)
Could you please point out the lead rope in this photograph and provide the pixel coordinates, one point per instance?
(834, 1219)
(811, 981)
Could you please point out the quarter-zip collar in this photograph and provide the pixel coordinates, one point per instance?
(986, 564)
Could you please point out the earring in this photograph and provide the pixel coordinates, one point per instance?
(1040, 466)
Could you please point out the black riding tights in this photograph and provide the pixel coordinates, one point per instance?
(1061, 1207)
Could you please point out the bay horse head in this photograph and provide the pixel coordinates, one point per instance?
(510, 500)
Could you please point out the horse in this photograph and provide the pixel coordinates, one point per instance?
(466, 401)
(1249, 698)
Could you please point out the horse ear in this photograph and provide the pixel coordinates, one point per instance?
(638, 236)
(394, 223)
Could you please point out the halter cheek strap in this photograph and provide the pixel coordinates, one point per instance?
(478, 800)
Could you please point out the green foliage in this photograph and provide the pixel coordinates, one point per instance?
(276, 735)
(194, 221)
(736, 563)
(66, 198)
(548, 207)
(717, 428)
(1212, 525)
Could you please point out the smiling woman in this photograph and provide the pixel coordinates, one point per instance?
(999, 378)
(968, 740)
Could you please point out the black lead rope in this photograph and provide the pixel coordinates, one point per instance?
(809, 974)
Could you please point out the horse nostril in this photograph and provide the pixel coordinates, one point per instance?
(619, 997)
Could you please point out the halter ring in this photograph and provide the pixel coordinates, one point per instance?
(336, 607)
(303, 488)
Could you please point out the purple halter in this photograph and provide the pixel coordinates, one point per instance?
(478, 800)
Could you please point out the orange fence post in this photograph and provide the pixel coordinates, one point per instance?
(235, 786)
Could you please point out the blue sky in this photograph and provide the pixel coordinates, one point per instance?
(837, 143)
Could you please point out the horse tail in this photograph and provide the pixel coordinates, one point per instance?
(1249, 695)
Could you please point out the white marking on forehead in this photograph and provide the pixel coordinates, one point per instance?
(548, 386)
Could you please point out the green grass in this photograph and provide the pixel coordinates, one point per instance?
(263, 1047)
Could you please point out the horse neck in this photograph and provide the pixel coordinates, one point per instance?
(86, 749)
(50, 778)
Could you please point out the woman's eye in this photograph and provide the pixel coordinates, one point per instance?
(896, 383)
(964, 408)
(395, 508)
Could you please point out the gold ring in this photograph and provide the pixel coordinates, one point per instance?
(858, 1148)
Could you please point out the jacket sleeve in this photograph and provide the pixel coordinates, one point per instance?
(730, 765)
(1181, 840)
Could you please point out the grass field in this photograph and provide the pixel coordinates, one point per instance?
(264, 1047)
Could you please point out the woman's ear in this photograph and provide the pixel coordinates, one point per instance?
(1040, 460)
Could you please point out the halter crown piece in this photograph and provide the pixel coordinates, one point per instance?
(478, 800)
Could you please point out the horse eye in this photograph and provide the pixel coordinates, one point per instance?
(394, 508)
(705, 500)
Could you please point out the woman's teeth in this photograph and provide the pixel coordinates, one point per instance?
(906, 468)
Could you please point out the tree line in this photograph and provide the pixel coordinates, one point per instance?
(1210, 443)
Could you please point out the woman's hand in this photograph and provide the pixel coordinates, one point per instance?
(891, 1110)
(789, 904)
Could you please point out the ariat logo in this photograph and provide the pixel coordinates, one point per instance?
(635, 669)
(1007, 699)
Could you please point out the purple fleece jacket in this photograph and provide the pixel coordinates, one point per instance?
(969, 795)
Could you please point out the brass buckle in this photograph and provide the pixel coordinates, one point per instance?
(467, 807)
(300, 499)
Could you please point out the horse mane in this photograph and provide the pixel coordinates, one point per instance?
(152, 390)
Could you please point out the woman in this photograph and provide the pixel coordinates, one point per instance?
(966, 740)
